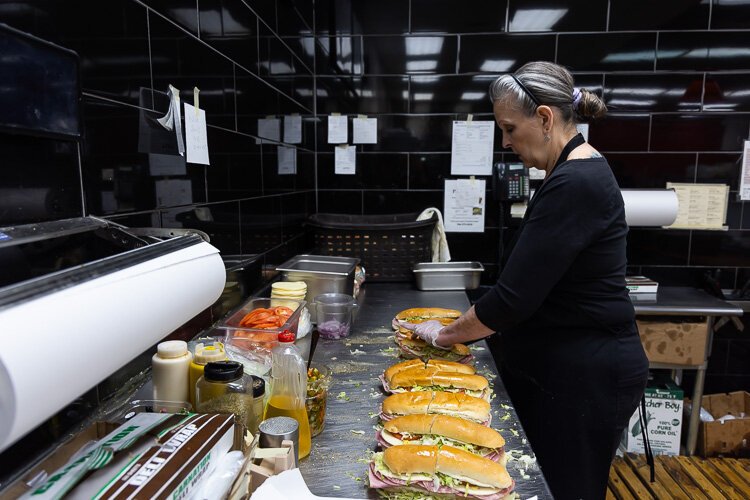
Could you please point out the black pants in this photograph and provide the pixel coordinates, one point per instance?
(575, 410)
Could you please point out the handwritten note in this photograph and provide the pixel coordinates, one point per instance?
(345, 160)
(268, 128)
(293, 129)
(745, 175)
(471, 152)
(365, 130)
(287, 160)
(196, 138)
(338, 129)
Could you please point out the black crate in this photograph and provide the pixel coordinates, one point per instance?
(388, 246)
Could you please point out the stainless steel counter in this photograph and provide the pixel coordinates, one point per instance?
(337, 464)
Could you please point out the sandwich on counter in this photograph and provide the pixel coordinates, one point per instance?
(432, 378)
(438, 364)
(429, 471)
(436, 403)
(442, 430)
(412, 346)
(417, 315)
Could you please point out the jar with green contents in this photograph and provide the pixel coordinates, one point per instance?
(225, 388)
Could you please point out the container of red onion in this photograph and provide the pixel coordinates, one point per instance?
(335, 314)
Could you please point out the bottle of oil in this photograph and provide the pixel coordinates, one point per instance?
(289, 377)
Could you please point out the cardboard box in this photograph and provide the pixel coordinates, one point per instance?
(670, 341)
(725, 438)
(61, 457)
(664, 423)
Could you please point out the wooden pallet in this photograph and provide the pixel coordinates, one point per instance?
(684, 478)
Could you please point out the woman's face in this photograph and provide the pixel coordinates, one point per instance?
(521, 133)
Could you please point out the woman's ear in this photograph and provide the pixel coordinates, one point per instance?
(547, 117)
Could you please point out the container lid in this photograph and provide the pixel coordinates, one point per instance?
(206, 353)
(259, 386)
(286, 336)
(223, 371)
(172, 349)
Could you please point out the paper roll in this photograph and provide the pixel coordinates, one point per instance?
(650, 207)
(62, 344)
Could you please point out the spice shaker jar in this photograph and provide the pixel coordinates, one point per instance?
(225, 388)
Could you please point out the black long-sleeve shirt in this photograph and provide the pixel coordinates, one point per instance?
(566, 272)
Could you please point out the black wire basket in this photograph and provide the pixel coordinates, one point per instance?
(388, 246)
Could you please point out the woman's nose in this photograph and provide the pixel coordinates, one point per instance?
(506, 142)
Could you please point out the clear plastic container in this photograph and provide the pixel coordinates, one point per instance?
(264, 337)
(335, 314)
(289, 388)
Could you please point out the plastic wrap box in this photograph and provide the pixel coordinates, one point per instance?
(669, 341)
(725, 438)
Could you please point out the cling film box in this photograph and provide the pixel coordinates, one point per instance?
(664, 422)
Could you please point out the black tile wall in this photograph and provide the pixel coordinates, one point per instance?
(637, 15)
(547, 15)
(430, 16)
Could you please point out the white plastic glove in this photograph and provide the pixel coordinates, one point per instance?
(428, 331)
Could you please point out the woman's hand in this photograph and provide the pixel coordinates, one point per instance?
(429, 331)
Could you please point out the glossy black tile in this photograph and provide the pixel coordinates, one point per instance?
(258, 99)
(450, 94)
(384, 17)
(182, 12)
(405, 133)
(654, 92)
(673, 276)
(735, 210)
(720, 248)
(276, 57)
(336, 55)
(649, 247)
(738, 354)
(442, 16)
(546, 15)
(363, 95)
(294, 18)
(39, 180)
(620, 133)
(504, 52)
(642, 15)
(275, 182)
(726, 92)
(185, 62)
(429, 170)
(231, 27)
(729, 14)
(401, 202)
(651, 170)
(703, 51)
(409, 54)
(221, 221)
(715, 132)
(721, 168)
(340, 202)
(303, 49)
(374, 171)
(482, 247)
(295, 210)
(607, 51)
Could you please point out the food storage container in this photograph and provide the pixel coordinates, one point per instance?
(318, 381)
(265, 337)
(323, 274)
(335, 314)
(448, 275)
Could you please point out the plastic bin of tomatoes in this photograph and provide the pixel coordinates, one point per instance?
(260, 320)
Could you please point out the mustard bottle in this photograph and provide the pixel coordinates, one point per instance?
(204, 354)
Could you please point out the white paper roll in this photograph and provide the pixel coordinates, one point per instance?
(60, 345)
(650, 207)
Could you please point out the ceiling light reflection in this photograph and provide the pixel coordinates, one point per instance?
(536, 19)
(497, 65)
(424, 46)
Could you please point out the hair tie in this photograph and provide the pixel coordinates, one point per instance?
(577, 95)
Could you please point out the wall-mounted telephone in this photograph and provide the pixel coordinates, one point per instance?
(510, 182)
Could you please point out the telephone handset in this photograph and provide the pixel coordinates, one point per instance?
(510, 182)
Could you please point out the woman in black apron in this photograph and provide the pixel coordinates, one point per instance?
(568, 347)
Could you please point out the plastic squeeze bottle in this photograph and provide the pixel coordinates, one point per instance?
(204, 354)
(169, 369)
(289, 377)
